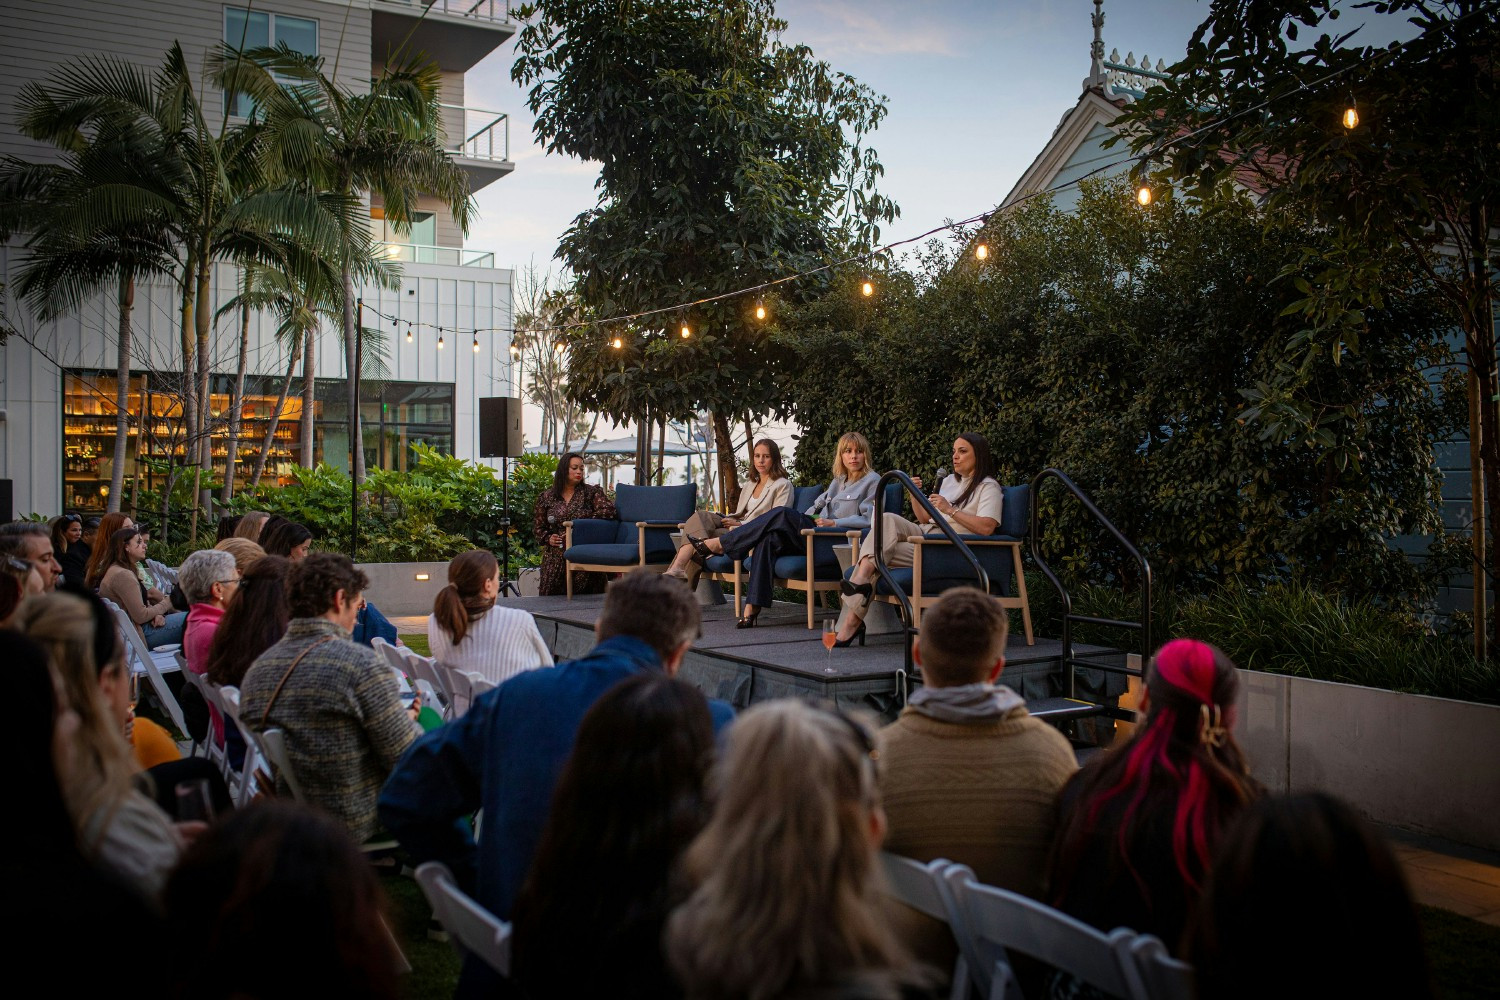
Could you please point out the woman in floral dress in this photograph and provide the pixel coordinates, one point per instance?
(569, 499)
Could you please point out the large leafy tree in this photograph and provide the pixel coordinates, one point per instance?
(386, 142)
(1255, 102)
(1120, 345)
(727, 158)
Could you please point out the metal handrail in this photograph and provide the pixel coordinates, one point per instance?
(1068, 618)
(878, 527)
(472, 145)
(474, 10)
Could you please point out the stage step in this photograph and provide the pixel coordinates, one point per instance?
(1060, 709)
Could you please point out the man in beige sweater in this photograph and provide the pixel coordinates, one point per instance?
(966, 773)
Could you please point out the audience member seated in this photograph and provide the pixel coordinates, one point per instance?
(227, 527)
(969, 501)
(99, 547)
(1139, 825)
(966, 773)
(255, 621)
(1304, 879)
(628, 802)
(506, 752)
(336, 701)
(19, 579)
(208, 578)
(281, 537)
(68, 548)
(42, 866)
(251, 525)
(468, 631)
(277, 901)
(786, 899)
(117, 826)
(31, 542)
(148, 608)
(245, 552)
(847, 503)
(569, 498)
(770, 489)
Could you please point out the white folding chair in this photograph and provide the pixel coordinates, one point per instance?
(998, 919)
(152, 664)
(424, 670)
(1162, 976)
(483, 684)
(460, 685)
(274, 742)
(251, 771)
(211, 748)
(473, 928)
(924, 889)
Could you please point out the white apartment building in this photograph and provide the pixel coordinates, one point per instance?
(57, 379)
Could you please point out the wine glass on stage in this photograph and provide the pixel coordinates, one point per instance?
(830, 636)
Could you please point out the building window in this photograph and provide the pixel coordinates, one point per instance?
(393, 416)
(253, 29)
(423, 228)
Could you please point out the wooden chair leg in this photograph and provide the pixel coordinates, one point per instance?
(568, 573)
(811, 594)
(1015, 554)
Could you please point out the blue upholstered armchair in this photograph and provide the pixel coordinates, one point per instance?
(937, 565)
(641, 536)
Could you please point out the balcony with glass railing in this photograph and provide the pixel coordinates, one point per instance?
(416, 253)
(480, 141)
(455, 33)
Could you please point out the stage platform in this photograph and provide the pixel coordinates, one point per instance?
(781, 657)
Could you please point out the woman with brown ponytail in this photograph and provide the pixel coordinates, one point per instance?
(468, 632)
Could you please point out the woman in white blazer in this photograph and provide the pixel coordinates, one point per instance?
(771, 489)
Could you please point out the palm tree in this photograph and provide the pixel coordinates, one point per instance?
(79, 244)
(387, 142)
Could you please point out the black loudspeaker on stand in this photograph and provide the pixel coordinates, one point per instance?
(500, 437)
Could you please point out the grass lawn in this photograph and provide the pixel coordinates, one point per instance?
(417, 643)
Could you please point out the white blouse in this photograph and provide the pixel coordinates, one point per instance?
(503, 642)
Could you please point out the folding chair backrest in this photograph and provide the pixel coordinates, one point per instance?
(474, 929)
(1162, 976)
(483, 684)
(460, 685)
(424, 668)
(274, 742)
(137, 650)
(255, 754)
(917, 885)
(996, 918)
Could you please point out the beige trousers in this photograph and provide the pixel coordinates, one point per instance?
(894, 529)
(704, 524)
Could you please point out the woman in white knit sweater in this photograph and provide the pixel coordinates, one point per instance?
(468, 632)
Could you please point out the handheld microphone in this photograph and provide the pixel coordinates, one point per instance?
(942, 473)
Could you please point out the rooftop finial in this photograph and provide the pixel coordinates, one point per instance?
(1098, 75)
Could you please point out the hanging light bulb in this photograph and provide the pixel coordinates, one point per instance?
(760, 310)
(686, 333)
(981, 251)
(476, 341)
(1143, 195)
(616, 343)
(514, 350)
(440, 338)
(867, 289)
(408, 333)
(1351, 116)
(558, 347)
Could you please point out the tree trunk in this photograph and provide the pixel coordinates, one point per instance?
(661, 454)
(122, 395)
(270, 439)
(729, 477)
(189, 382)
(199, 440)
(351, 360)
(236, 403)
(309, 383)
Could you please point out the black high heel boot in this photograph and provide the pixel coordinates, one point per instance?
(748, 621)
(701, 552)
(851, 589)
(859, 634)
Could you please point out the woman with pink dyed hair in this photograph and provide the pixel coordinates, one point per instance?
(1138, 826)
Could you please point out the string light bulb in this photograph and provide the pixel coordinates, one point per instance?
(981, 252)
(686, 332)
(408, 333)
(1143, 195)
(867, 289)
(440, 338)
(476, 341)
(616, 343)
(760, 310)
(1351, 116)
(514, 350)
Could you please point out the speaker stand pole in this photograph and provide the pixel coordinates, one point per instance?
(507, 587)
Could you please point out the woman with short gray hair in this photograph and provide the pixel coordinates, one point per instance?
(209, 579)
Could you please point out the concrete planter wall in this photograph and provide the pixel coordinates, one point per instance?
(1426, 764)
(396, 590)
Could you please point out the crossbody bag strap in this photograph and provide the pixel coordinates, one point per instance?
(265, 717)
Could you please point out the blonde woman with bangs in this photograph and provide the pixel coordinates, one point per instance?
(119, 828)
(786, 899)
(847, 503)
